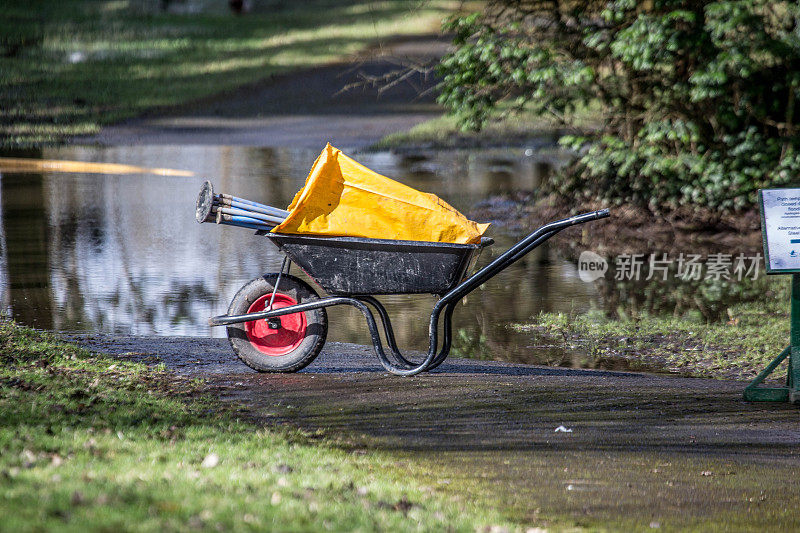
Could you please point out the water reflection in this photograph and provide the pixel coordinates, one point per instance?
(123, 254)
(26, 247)
(703, 300)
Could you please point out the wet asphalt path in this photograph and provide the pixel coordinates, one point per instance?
(496, 402)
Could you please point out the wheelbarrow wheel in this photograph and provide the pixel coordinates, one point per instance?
(283, 344)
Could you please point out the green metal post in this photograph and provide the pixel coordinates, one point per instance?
(754, 393)
(793, 379)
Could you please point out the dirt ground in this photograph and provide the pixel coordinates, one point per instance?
(638, 451)
(337, 103)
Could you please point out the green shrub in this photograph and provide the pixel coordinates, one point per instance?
(698, 99)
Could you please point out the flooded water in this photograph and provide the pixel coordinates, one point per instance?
(123, 254)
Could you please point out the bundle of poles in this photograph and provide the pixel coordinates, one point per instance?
(234, 211)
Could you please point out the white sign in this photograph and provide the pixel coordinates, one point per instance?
(780, 212)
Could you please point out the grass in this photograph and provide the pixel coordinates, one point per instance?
(68, 67)
(754, 333)
(505, 129)
(92, 443)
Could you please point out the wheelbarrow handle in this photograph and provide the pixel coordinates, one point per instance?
(594, 215)
(516, 252)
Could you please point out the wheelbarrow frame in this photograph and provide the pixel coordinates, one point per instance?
(446, 304)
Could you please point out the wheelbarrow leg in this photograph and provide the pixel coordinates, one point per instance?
(388, 330)
(377, 344)
(447, 339)
(390, 339)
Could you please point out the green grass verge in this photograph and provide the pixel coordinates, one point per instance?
(69, 67)
(505, 129)
(91, 443)
(738, 348)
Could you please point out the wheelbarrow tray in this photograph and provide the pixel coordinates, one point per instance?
(358, 266)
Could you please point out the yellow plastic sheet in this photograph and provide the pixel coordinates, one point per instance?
(344, 198)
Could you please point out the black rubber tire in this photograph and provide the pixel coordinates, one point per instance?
(309, 347)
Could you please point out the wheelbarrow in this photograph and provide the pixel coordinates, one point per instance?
(278, 323)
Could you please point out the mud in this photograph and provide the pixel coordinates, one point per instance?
(642, 450)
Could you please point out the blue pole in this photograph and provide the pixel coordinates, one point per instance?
(245, 225)
(245, 222)
(244, 213)
(266, 209)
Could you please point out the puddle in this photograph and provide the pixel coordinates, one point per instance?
(122, 253)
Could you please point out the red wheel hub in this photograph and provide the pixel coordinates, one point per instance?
(278, 341)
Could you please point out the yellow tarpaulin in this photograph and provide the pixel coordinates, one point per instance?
(343, 198)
